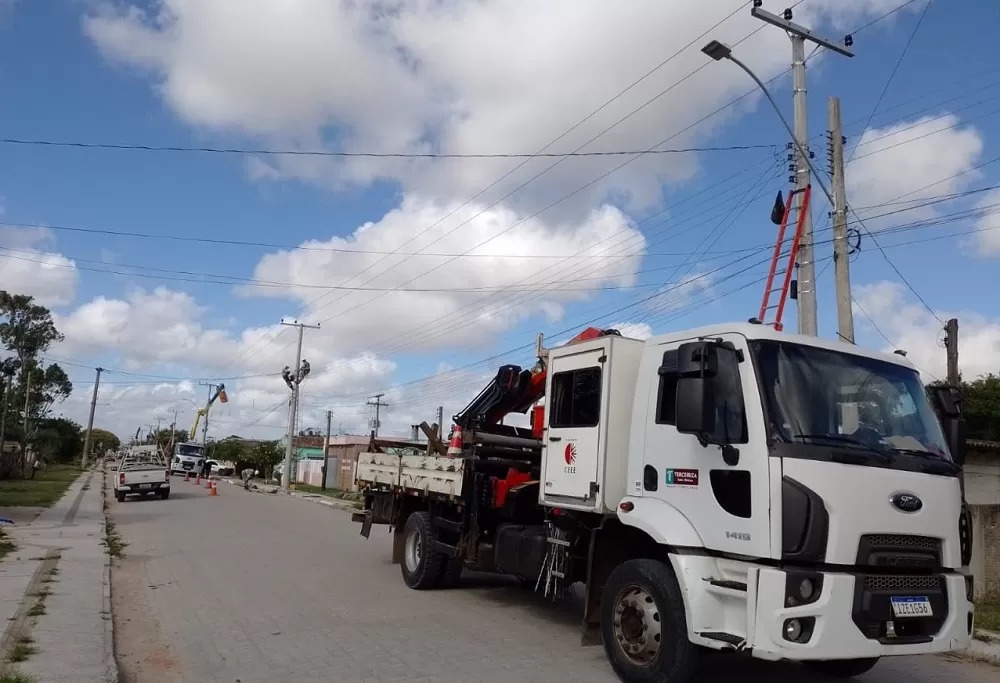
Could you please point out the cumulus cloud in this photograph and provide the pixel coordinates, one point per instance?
(911, 161)
(911, 327)
(27, 267)
(519, 270)
(988, 237)
(421, 75)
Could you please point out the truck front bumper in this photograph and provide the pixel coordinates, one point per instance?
(850, 616)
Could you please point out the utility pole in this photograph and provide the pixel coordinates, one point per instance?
(24, 422)
(90, 420)
(293, 382)
(841, 251)
(376, 401)
(807, 317)
(440, 421)
(6, 380)
(204, 425)
(951, 347)
(326, 447)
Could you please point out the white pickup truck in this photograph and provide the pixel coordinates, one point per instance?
(142, 474)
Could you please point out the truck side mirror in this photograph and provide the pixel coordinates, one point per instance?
(946, 402)
(695, 406)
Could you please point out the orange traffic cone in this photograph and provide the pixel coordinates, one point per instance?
(208, 482)
(187, 476)
(455, 445)
(197, 481)
(214, 488)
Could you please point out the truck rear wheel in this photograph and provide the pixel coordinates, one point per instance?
(643, 624)
(120, 496)
(843, 668)
(422, 566)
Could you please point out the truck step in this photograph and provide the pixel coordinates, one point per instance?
(444, 548)
(447, 524)
(731, 585)
(727, 638)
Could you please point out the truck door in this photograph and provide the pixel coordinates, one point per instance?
(728, 504)
(574, 409)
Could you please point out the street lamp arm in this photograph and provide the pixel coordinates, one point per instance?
(802, 151)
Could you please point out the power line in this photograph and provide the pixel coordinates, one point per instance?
(377, 155)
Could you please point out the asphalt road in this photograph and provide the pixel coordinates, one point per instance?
(247, 587)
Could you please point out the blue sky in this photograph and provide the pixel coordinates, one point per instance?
(95, 73)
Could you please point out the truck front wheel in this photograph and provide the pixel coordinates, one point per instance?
(422, 566)
(643, 624)
(843, 668)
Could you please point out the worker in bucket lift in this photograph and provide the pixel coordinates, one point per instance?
(248, 474)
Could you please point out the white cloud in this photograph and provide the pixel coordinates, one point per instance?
(633, 330)
(988, 240)
(911, 328)
(26, 267)
(606, 246)
(909, 161)
(423, 75)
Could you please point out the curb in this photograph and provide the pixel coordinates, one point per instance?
(985, 647)
(111, 672)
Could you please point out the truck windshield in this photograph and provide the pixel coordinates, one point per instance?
(815, 395)
(191, 451)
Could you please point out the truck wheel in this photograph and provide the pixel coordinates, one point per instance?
(643, 624)
(165, 494)
(843, 668)
(422, 566)
(120, 496)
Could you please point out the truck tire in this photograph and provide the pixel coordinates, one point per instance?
(643, 624)
(165, 494)
(843, 668)
(422, 566)
(120, 496)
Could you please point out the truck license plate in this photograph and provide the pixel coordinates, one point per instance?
(144, 486)
(911, 607)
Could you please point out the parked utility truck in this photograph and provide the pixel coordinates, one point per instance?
(726, 488)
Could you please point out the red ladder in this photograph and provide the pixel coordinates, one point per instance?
(769, 287)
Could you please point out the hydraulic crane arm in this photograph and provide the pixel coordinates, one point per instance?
(220, 394)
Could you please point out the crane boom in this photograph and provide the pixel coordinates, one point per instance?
(220, 394)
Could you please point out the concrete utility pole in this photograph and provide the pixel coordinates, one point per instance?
(440, 421)
(951, 347)
(204, 425)
(90, 420)
(377, 398)
(6, 381)
(326, 447)
(807, 317)
(293, 381)
(841, 251)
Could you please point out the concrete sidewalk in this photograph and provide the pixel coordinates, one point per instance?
(55, 589)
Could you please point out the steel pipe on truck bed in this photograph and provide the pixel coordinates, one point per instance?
(504, 440)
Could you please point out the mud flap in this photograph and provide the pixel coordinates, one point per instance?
(598, 571)
(366, 524)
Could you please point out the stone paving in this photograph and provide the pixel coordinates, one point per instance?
(254, 587)
(61, 563)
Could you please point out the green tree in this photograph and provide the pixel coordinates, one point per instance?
(231, 450)
(101, 440)
(981, 406)
(58, 440)
(26, 332)
(264, 455)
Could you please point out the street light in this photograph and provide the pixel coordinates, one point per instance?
(719, 51)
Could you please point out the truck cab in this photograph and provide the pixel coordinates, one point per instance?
(725, 488)
(187, 458)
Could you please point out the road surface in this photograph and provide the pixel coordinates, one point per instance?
(247, 587)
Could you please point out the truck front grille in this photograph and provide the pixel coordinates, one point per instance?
(899, 551)
(890, 582)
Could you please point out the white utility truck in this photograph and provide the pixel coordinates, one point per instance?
(725, 488)
(187, 458)
(143, 474)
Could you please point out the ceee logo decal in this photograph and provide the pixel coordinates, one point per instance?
(569, 455)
